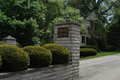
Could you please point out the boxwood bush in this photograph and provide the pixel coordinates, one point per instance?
(91, 46)
(13, 58)
(17, 44)
(60, 55)
(110, 48)
(102, 44)
(92, 41)
(0, 61)
(87, 52)
(1, 42)
(39, 56)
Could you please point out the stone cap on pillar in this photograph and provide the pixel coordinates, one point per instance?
(9, 38)
(67, 23)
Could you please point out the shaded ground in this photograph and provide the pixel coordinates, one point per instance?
(101, 68)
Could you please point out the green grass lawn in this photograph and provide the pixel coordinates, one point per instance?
(100, 54)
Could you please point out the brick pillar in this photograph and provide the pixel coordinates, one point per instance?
(68, 35)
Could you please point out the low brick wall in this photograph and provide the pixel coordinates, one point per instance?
(53, 72)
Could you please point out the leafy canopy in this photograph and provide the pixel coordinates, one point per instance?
(97, 30)
(31, 21)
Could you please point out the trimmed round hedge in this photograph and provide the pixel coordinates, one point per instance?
(109, 48)
(0, 61)
(102, 44)
(87, 52)
(60, 55)
(1, 42)
(91, 46)
(13, 58)
(92, 41)
(17, 44)
(39, 56)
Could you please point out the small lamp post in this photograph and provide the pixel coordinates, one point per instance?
(66, 18)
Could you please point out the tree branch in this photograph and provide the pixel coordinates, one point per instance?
(110, 7)
(106, 10)
(92, 2)
(99, 1)
(86, 5)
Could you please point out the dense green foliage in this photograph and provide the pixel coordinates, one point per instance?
(99, 33)
(100, 55)
(21, 20)
(60, 55)
(97, 30)
(87, 52)
(1, 42)
(0, 62)
(74, 15)
(13, 58)
(17, 44)
(31, 21)
(92, 41)
(91, 46)
(113, 36)
(110, 48)
(38, 56)
(86, 6)
(102, 43)
(101, 7)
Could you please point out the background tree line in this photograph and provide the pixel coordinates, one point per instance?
(108, 12)
(31, 21)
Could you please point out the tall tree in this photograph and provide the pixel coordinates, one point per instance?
(113, 36)
(33, 19)
(22, 19)
(86, 6)
(101, 7)
(97, 30)
(114, 27)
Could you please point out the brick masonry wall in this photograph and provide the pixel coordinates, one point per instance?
(54, 72)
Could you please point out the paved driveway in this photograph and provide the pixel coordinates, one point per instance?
(102, 68)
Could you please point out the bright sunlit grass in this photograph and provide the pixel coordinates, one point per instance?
(100, 54)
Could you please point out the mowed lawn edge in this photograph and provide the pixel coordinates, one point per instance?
(99, 54)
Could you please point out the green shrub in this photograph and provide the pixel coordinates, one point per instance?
(13, 58)
(87, 52)
(0, 55)
(1, 42)
(17, 44)
(117, 49)
(91, 46)
(0, 61)
(110, 48)
(102, 44)
(60, 55)
(39, 56)
(92, 41)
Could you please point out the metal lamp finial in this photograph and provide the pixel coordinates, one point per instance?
(66, 17)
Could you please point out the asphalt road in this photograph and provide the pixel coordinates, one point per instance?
(101, 68)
